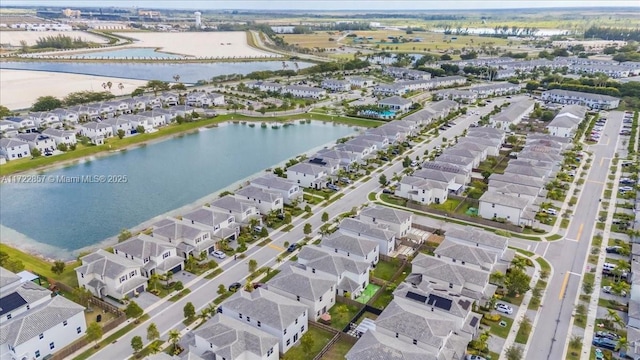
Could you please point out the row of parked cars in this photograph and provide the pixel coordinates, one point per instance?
(627, 122)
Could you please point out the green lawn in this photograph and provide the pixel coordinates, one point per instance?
(338, 350)
(554, 237)
(522, 336)
(392, 199)
(385, 270)
(112, 338)
(544, 265)
(500, 331)
(320, 339)
(42, 267)
(449, 205)
(341, 315)
(384, 299)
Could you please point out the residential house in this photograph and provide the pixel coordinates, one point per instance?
(278, 316)
(487, 133)
(592, 101)
(462, 161)
(404, 73)
(139, 121)
(502, 206)
(566, 122)
(13, 149)
(475, 257)
(155, 256)
(527, 171)
(350, 246)
(308, 175)
(119, 123)
(421, 190)
(189, 238)
(336, 85)
(475, 156)
(302, 91)
(107, 274)
(465, 96)
(386, 239)
(222, 337)
(389, 89)
(242, 210)
(265, 86)
(447, 179)
(61, 136)
(453, 276)
(156, 117)
(315, 291)
(398, 221)
(344, 158)
(479, 238)
(517, 179)
(462, 175)
(290, 191)
(43, 118)
(351, 275)
(85, 112)
(119, 106)
(396, 103)
(265, 201)
(360, 151)
(22, 124)
(94, 130)
(222, 224)
(217, 99)
(381, 142)
(360, 82)
(527, 192)
(66, 115)
(491, 146)
(495, 89)
(169, 98)
(44, 143)
(512, 115)
(33, 323)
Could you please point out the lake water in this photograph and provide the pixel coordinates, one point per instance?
(189, 73)
(65, 217)
(128, 53)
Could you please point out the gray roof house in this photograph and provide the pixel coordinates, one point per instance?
(518, 179)
(357, 247)
(224, 338)
(315, 291)
(104, 273)
(242, 210)
(477, 237)
(154, 255)
(398, 221)
(374, 345)
(265, 201)
(396, 103)
(289, 190)
(265, 310)
(223, 225)
(385, 238)
(188, 238)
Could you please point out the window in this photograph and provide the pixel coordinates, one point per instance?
(288, 342)
(41, 336)
(302, 329)
(240, 316)
(259, 324)
(8, 316)
(64, 323)
(450, 286)
(37, 353)
(165, 255)
(335, 250)
(493, 205)
(285, 333)
(123, 278)
(270, 352)
(454, 260)
(78, 330)
(415, 342)
(296, 321)
(28, 306)
(132, 274)
(397, 335)
(211, 345)
(52, 345)
(320, 298)
(313, 271)
(248, 318)
(298, 297)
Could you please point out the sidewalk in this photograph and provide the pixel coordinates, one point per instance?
(572, 188)
(522, 311)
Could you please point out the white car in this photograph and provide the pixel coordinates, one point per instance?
(607, 290)
(553, 212)
(474, 357)
(504, 308)
(219, 254)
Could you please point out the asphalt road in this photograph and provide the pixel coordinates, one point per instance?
(170, 315)
(569, 256)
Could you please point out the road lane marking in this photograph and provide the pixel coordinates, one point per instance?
(580, 232)
(563, 288)
(601, 161)
(274, 246)
(573, 273)
(571, 239)
(596, 182)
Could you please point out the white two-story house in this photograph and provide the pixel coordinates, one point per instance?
(265, 201)
(289, 190)
(188, 238)
(13, 149)
(44, 143)
(386, 239)
(242, 210)
(222, 224)
(155, 256)
(308, 175)
(61, 136)
(107, 274)
(359, 248)
(398, 221)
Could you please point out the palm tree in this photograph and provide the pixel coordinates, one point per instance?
(153, 281)
(109, 85)
(154, 347)
(575, 342)
(519, 263)
(174, 337)
(483, 339)
(176, 77)
(167, 277)
(613, 316)
(622, 345)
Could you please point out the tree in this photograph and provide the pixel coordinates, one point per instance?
(46, 103)
(406, 162)
(575, 342)
(525, 324)
(152, 332)
(167, 277)
(109, 85)
(154, 279)
(253, 265)
(138, 92)
(94, 333)
(445, 57)
(154, 347)
(532, 85)
(4, 111)
(189, 311)
(622, 345)
(35, 152)
(221, 289)
(514, 352)
(120, 87)
(325, 216)
(307, 342)
(58, 267)
(133, 310)
(174, 337)
(124, 235)
(307, 229)
(136, 344)
(157, 85)
(120, 133)
(82, 296)
(140, 129)
(517, 282)
(382, 179)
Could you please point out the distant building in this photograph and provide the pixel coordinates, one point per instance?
(71, 13)
(198, 16)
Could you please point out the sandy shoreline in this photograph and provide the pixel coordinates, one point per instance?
(27, 85)
(34, 247)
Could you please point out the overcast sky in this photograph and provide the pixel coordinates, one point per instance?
(329, 4)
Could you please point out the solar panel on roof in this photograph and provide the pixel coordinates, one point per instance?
(440, 302)
(417, 297)
(11, 302)
(474, 321)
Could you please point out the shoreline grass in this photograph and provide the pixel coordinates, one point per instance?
(42, 266)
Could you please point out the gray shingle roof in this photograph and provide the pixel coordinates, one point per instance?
(30, 324)
(143, 246)
(376, 346)
(7, 277)
(252, 192)
(272, 181)
(460, 308)
(298, 282)
(267, 307)
(330, 262)
(504, 199)
(568, 93)
(517, 179)
(384, 213)
(179, 230)
(444, 167)
(435, 175)
(307, 168)
(233, 339)
(446, 272)
(207, 216)
(359, 228)
(353, 245)
(231, 203)
(474, 236)
(395, 101)
(466, 253)
(105, 263)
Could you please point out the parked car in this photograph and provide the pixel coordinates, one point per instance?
(607, 290)
(504, 308)
(345, 180)
(474, 357)
(387, 191)
(384, 158)
(258, 285)
(292, 247)
(604, 343)
(333, 187)
(607, 335)
(219, 254)
(553, 212)
(235, 286)
(614, 249)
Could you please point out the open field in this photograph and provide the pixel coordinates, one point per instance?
(199, 44)
(14, 37)
(318, 39)
(26, 86)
